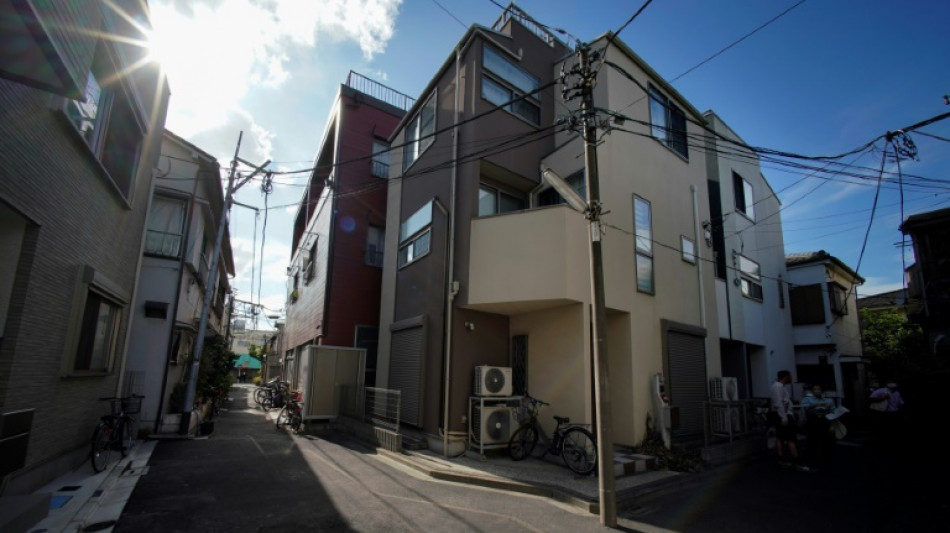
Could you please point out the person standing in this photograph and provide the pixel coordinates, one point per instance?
(786, 426)
(818, 427)
(889, 427)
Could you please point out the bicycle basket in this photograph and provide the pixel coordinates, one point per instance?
(132, 405)
(521, 413)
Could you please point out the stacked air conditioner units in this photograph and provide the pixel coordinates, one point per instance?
(492, 424)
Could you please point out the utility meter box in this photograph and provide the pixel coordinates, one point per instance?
(331, 379)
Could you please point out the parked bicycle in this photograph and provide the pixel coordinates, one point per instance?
(572, 442)
(292, 413)
(273, 394)
(115, 431)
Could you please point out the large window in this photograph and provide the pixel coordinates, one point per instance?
(375, 239)
(838, 299)
(415, 234)
(807, 303)
(750, 277)
(106, 120)
(379, 166)
(744, 198)
(503, 81)
(643, 224)
(419, 133)
(166, 220)
(492, 201)
(98, 334)
(668, 122)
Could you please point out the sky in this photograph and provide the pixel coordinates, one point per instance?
(823, 78)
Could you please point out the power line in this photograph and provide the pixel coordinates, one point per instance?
(450, 14)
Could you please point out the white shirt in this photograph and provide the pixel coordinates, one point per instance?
(780, 401)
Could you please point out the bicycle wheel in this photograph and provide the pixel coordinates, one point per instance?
(579, 451)
(125, 436)
(101, 447)
(283, 418)
(260, 395)
(295, 422)
(522, 443)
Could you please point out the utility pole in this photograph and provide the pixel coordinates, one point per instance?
(605, 471)
(209, 287)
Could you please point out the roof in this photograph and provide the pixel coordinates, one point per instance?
(888, 299)
(821, 256)
(924, 219)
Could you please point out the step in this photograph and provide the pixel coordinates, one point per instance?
(629, 464)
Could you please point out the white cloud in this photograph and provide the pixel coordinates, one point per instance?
(214, 52)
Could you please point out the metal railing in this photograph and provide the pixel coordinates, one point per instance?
(732, 420)
(379, 91)
(514, 12)
(162, 243)
(381, 407)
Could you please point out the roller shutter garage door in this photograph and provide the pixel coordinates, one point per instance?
(687, 366)
(405, 372)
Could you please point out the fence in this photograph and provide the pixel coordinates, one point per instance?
(379, 91)
(740, 419)
(377, 410)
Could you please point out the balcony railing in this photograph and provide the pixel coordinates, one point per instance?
(514, 12)
(162, 243)
(379, 91)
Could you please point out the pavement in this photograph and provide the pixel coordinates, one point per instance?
(83, 500)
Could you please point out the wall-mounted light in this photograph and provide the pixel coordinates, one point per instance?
(707, 232)
(470, 326)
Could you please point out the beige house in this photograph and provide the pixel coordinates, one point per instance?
(486, 266)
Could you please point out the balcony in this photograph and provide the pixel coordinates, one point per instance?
(525, 261)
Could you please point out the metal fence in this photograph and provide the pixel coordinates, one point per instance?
(379, 407)
(739, 419)
(379, 91)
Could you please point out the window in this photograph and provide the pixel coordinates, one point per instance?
(166, 221)
(379, 166)
(750, 277)
(295, 286)
(577, 182)
(419, 133)
(838, 299)
(688, 248)
(309, 268)
(375, 239)
(415, 235)
(643, 221)
(668, 122)
(97, 335)
(503, 81)
(807, 304)
(744, 197)
(492, 201)
(781, 292)
(107, 122)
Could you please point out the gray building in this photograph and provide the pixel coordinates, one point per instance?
(81, 119)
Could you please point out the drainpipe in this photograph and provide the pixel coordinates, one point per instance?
(699, 259)
(450, 289)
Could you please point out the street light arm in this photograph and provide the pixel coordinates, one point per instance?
(570, 195)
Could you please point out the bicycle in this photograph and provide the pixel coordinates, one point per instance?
(114, 431)
(575, 444)
(272, 394)
(292, 413)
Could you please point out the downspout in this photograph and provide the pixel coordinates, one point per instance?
(181, 275)
(450, 289)
(699, 259)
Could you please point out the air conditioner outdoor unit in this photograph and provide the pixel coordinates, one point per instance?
(492, 381)
(726, 420)
(492, 424)
(724, 389)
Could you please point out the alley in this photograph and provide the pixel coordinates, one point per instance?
(249, 477)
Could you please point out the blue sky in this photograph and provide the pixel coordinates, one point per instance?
(825, 78)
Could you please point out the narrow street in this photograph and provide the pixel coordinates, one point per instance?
(249, 477)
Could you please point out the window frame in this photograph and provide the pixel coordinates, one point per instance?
(416, 140)
(643, 246)
(375, 249)
(668, 133)
(416, 228)
(92, 286)
(688, 256)
(497, 194)
(118, 123)
(743, 190)
(837, 299)
(309, 269)
(183, 204)
(379, 162)
(513, 87)
(807, 304)
(749, 278)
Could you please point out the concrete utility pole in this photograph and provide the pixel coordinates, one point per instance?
(605, 454)
(209, 288)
